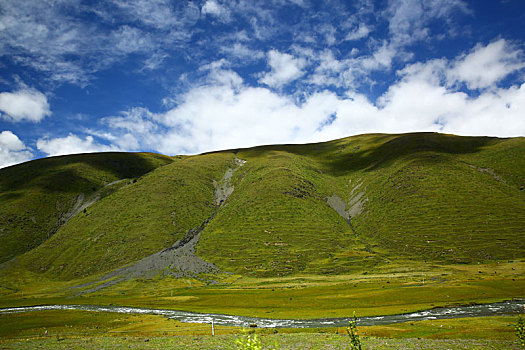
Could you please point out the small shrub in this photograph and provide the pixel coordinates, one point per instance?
(520, 331)
(248, 341)
(355, 343)
(251, 341)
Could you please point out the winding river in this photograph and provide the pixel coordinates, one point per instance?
(502, 308)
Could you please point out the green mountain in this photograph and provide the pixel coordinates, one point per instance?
(358, 205)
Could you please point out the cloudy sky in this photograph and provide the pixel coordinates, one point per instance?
(184, 77)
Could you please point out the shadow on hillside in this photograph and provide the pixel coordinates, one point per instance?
(374, 151)
(394, 147)
(64, 173)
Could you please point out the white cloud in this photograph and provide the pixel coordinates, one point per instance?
(159, 14)
(72, 144)
(425, 100)
(212, 7)
(12, 150)
(284, 69)
(132, 130)
(64, 42)
(381, 59)
(154, 61)
(127, 40)
(358, 33)
(226, 113)
(485, 66)
(24, 105)
(36, 34)
(328, 31)
(409, 20)
(242, 52)
(329, 71)
(350, 72)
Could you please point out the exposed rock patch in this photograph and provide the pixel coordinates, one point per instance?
(355, 204)
(488, 171)
(224, 188)
(81, 202)
(180, 259)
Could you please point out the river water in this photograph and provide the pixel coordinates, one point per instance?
(503, 308)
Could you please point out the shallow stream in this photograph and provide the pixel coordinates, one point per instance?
(503, 308)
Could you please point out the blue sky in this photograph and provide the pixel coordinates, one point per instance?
(185, 77)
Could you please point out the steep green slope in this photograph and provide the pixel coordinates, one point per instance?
(37, 197)
(139, 219)
(447, 199)
(277, 220)
(428, 197)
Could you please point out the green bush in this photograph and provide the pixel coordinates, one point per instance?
(355, 343)
(248, 341)
(520, 331)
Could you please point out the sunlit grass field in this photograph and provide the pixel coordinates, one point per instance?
(88, 330)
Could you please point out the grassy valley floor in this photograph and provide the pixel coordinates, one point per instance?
(307, 296)
(393, 290)
(88, 330)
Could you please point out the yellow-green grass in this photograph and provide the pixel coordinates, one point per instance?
(284, 341)
(136, 221)
(301, 296)
(494, 327)
(430, 197)
(70, 323)
(85, 330)
(73, 323)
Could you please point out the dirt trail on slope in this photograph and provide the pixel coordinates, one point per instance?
(180, 259)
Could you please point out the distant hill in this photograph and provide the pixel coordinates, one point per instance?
(336, 207)
(38, 197)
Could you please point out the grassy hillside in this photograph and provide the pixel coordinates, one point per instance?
(139, 219)
(412, 199)
(428, 197)
(37, 197)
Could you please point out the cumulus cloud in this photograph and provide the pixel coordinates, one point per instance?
(64, 42)
(329, 71)
(212, 7)
(350, 72)
(409, 20)
(24, 105)
(439, 107)
(242, 52)
(12, 150)
(382, 57)
(284, 69)
(72, 144)
(485, 66)
(132, 130)
(228, 113)
(358, 33)
(159, 14)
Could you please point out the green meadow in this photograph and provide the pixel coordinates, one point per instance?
(88, 330)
